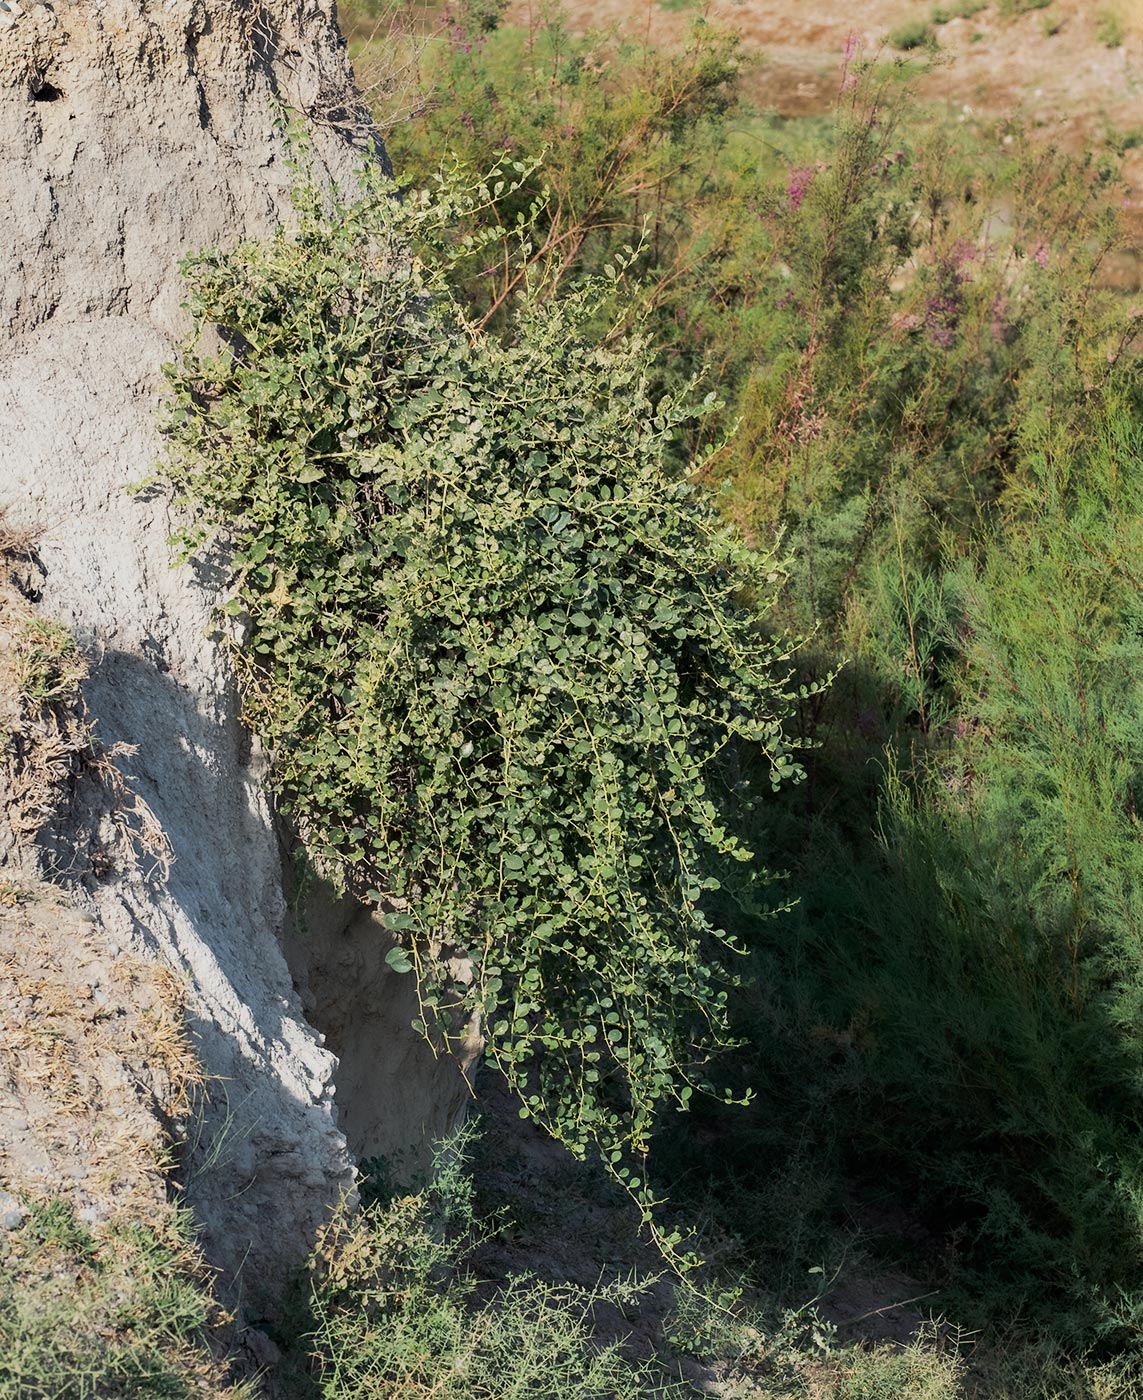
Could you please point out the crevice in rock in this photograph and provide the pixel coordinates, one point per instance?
(396, 1095)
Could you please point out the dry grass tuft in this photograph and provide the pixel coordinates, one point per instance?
(388, 43)
(48, 746)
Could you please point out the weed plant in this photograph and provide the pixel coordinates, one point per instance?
(1018, 856)
(1110, 28)
(49, 665)
(392, 1305)
(913, 34)
(906, 322)
(961, 9)
(934, 411)
(859, 291)
(631, 138)
(952, 1007)
(389, 1310)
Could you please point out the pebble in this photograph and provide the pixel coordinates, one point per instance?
(11, 1212)
(261, 1348)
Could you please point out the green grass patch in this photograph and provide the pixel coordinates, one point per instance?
(390, 1310)
(105, 1313)
(49, 664)
(1110, 29)
(959, 9)
(913, 34)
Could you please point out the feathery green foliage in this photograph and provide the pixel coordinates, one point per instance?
(970, 983)
(630, 136)
(913, 34)
(859, 290)
(1021, 864)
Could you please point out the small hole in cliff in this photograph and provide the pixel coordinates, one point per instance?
(45, 92)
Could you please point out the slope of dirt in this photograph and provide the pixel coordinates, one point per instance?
(97, 1064)
(99, 1278)
(137, 133)
(101, 1283)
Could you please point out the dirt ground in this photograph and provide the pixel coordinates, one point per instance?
(1052, 66)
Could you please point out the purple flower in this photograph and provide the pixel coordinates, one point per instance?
(964, 251)
(801, 178)
(942, 313)
(852, 44)
(943, 310)
(1041, 254)
(999, 323)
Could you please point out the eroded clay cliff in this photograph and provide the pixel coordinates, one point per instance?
(131, 133)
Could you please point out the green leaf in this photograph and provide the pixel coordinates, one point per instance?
(398, 959)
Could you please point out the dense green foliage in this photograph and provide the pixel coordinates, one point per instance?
(516, 686)
(506, 665)
(989, 962)
(862, 293)
(933, 405)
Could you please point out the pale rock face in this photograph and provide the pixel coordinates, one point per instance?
(131, 133)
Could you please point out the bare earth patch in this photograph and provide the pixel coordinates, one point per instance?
(97, 1064)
